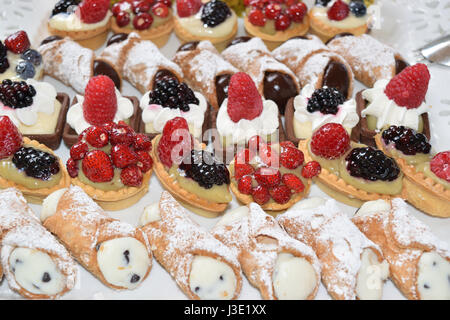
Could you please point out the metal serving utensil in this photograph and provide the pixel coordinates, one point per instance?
(437, 51)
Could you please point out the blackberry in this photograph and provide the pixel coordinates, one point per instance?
(36, 163)
(62, 6)
(325, 100)
(4, 64)
(170, 93)
(358, 8)
(215, 12)
(371, 164)
(3, 50)
(322, 3)
(406, 140)
(205, 169)
(16, 94)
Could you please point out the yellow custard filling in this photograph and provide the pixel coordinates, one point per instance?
(372, 123)
(45, 123)
(426, 170)
(113, 185)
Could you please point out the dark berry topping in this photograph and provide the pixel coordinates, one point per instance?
(322, 3)
(3, 50)
(371, 164)
(215, 12)
(406, 140)
(169, 93)
(205, 169)
(16, 94)
(33, 56)
(325, 100)
(62, 6)
(4, 64)
(25, 69)
(358, 8)
(36, 163)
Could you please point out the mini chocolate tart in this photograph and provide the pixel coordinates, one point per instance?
(363, 134)
(53, 140)
(70, 137)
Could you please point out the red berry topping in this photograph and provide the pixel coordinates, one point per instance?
(140, 6)
(97, 166)
(145, 161)
(187, 8)
(338, 11)
(92, 11)
(311, 169)
(268, 177)
(282, 22)
(160, 10)
(168, 3)
(122, 156)
(257, 18)
(293, 182)
(142, 142)
(290, 3)
(123, 19)
(131, 176)
(287, 144)
(242, 169)
(255, 142)
(79, 150)
(100, 101)
(260, 195)
(243, 156)
(122, 134)
(96, 136)
(245, 185)
(18, 42)
(121, 6)
(267, 155)
(10, 137)
(272, 10)
(142, 21)
(440, 165)
(281, 194)
(330, 141)
(291, 158)
(244, 100)
(297, 12)
(175, 134)
(72, 168)
(409, 87)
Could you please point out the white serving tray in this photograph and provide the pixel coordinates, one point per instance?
(405, 25)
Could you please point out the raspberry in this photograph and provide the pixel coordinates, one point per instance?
(100, 101)
(281, 194)
(330, 141)
(282, 22)
(123, 156)
(440, 165)
(145, 161)
(311, 169)
(245, 185)
(187, 8)
(97, 166)
(79, 150)
(339, 11)
(131, 176)
(72, 168)
(297, 12)
(142, 142)
(244, 100)
(409, 87)
(92, 11)
(268, 177)
(175, 134)
(242, 169)
(18, 42)
(291, 158)
(260, 195)
(10, 137)
(272, 10)
(293, 182)
(96, 136)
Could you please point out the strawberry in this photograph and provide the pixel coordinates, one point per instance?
(244, 100)
(311, 169)
(293, 182)
(256, 17)
(145, 161)
(287, 144)
(18, 42)
(97, 166)
(298, 11)
(123, 156)
(131, 176)
(72, 168)
(242, 169)
(330, 141)
(245, 185)
(338, 11)
(187, 8)
(10, 137)
(268, 177)
(281, 194)
(175, 135)
(268, 156)
(409, 87)
(260, 195)
(272, 10)
(255, 142)
(243, 156)
(122, 134)
(142, 142)
(440, 165)
(291, 158)
(92, 11)
(96, 136)
(100, 101)
(79, 150)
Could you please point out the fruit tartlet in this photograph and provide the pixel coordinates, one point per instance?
(313, 108)
(28, 166)
(17, 60)
(191, 174)
(351, 173)
(275, 21)
(427, 177)
(212, 20)
(331, 17)
(273, 175)
(399, 101)
(102, 103)
(169, 99)
(112, 164)
(85, 21)
(38, 111)
(151, 19)
(243, 115)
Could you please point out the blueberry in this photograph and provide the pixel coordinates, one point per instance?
(33, 56)
(322, 3)
(358, 8)
(25, 69)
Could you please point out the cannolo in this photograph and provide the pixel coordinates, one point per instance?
(352, 265)
(273, 79)
(35, 264)
(205, 70)
(369, 59)
(139, 61)
(73, 65)
(202, 266)
(313, 63)
(419, 262)
(115, 252)
(279, 266)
